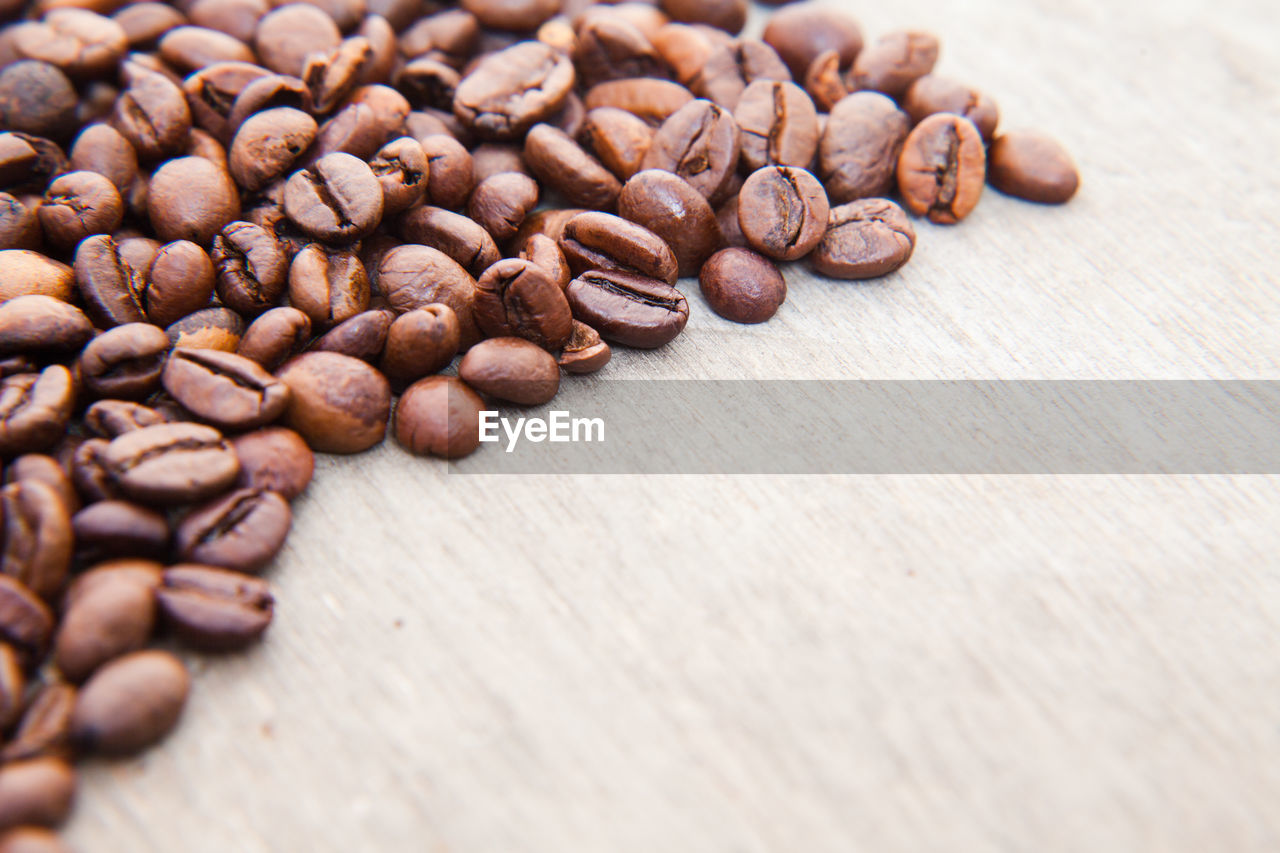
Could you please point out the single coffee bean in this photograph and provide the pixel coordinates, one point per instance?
(275, 336)
(13, 687)
(109, 418)
(241, 531)
(145, 23)
(190, 198)
(462, 239)
(420, 343)
(268, 93)
(548, 223)
(179, 281)
(933, 94)
(859, 150)
(337, 200)
(586, 352)
(328, 286)
(865, 239)
(288, 33)
(38, 792)
(512, 15)
(23, 273)
(542, 251)
(251, 268)
(629, 309)
(225, 389)
(89, 472)
(439, 416)
(783, 212)
(108, 621)
(37, 98)
(501, 203)
(1032, 166)
(516, 298)
(192, 48)
(742, 286)
(214, 610)
(896, 61)
(45, 727)
(494, 158)
(450, 171)
(803, 32)
(727, 15)
(619, 139)
(825, 83)
(943, 168)
(727, 217)
(611, 48)
(337, 403)
(109, 529)
(267, 144)
(601, 241)
(646, 18)
(414, 276)
(511, 90)
(171, 463)
(34, 410)
(42, 325)
(47, 470)
(212, 93)
(37, 536)
(78, 204)
(403, 171)
(19, 224)
(26, 623)
(111, 287)
(101, 148)
(145, 573)
(700, 143)
(331, 75)
(130, 704)
(566, 167)
(364, 336)
(732, 67)
(211, 328)
(511, 369)
(669, 207)
(685, 49)
(83, 44)
(124, 363)
(650, 99)
(274, 458)
(779, 125)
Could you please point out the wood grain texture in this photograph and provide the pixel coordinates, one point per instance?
(722, 665)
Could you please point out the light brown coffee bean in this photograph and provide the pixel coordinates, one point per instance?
(337, 403)
(225, 389)
(274, 458)
(421, 342)
(586, 352)
(214, 610)
(38, 792)
(110, 621)
(37, 536)
(241, 531)
(439, 416)
(511, 369)
(130, 703)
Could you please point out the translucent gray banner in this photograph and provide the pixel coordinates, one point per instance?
(889, 427)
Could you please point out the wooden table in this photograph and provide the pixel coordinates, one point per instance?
(710, 664)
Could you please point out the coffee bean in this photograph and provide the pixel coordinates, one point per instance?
(251, 268)
(619, 139)
(511, 90)
(89, 473)
(13, 685)
(79, 204)
(494, 158)
(896, 61)
(138, 252)
(275, 336)
(331, 75)
(1032, 166)
(288, 33)
(192, 48)
(541, 251)
(933, 94)
(629, 309)
(274, 458)
(865, 239)
(124, 362)
(824, 81)
(742, 286)
(269, 92)
(130, 703)
(548, 223)
(19, 224)
(111, 287)
(647, 98)
(511, 369)
(179, 281)
(727, 15)
(109, 529)
(519, 299)
(38, 792)
(501, 203)
(23, 273)
(37, 98)
(47, 470)
(100, 148)
(451, 174)
(369, 119)
(26, 623)
(680, 215)
(420, 343)
(601, 241)
(211, 328)
(328, 286)
(170, 463)
(241, 531)
(585, 352)
(37, 536)
(363, 336)
(732, 67)
(337, 403)
(700, 143)
(779, 125)
(460, 238)
(803, 32)
(45, 727)
(212, 94)
(403, 171)
(225, 389)
(192, 199)
(942, 169)
(110, 418)
(647, 18)
(513, 15)
(685, 49)
(81, 43)
(152, 113)
(611, 48)
(563, 165)
(43, 325)
(859, 150)
(783, 212)
(34, 410)
(414, 276)
(18, 157)
(145, 23)
(267, 144)
(105, 623)
(144, 573)
(336, 200)
(214, 610)
(439, 416)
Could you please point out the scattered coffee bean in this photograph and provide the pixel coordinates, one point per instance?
(210, 328)
(542, 251)
(800, 33)
(701, 143)
(274, 458)
(1032, 166)
(214, 610)
(179, 281)
(519, 299)
(865, 239)
(511, 90)
(601, 241)
(275, 336)
(629, 309)
(37, 536)
(112, 289)
(779, 125)
(24, 273)
(859, 150)
(501, 203)
(668, 206)
(130, 703)
(742, 286)
(648, 98)
(38, 792)
(329, 286)
(110, 620)
(511, 369)
(439, 416)
(943, 168)
(171, 463)
(241, 531)
(42, 325)
(933, 94)
(585, 352)
(421, 342)
(893, 63)
(403, 171)
(35, 409)
(109, 529)
(225, 389)
(337, 403)
(462, 239)
(566, 167)
(363, 336)
(337, 200)
(783, 212)
(450, 171)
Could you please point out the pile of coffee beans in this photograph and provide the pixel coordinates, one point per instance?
(232, 231)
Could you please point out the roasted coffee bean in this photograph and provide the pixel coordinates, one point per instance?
(78, 204)
(47, 470)
(267, 144)
(548, 223)
(212, 93)
(37, 98)
(619, 139)
(38, 792)
(542, 251)
(145, 23)
(566, 167)
(34, 410)
(211, 328)
(783, 212)
(110, 418)
(225, 389)
(214, 610)
(513, 15)
(511, 90)
(942, 169)
(42, 325)
(111, 287)
(742, 286)
(669, 207)
(252, 269)
(895, 61)
(152, 113)
(192, 48)
(144, 573)
(37, 536)
(124, 363)
(501, 203)
(237, 18)
(89, 473)
(171, 463)
(420, 343)
(83, 44)
(865, 239)
(647, 98)
(686, 49)
(1032, 166)
(451, 174)
(19, 224)
(439, 416)
(190, 198)
(403, 171)
(585, 352)
(462, 239)
(13, 684)
(629, 309)
(727, 15)
(824, 82)
(859, 150)
(240, 531)
(267, 93)
(109, 529)
(45, 727)
(727, 217)
(732, 67)
(275, 458)
(511, 369)
(519, 299)
(179, 281)
(337, 403)
(130, 703)
(19, 157)
(936, 94)
(700, 143)
(611, 48)
(23, 273)
(601, 241)
(414, 276)
(803, 32)
(494, 158)
(328, 286)
(363, 336)
(779, 125)
(337, 200)
(286, 35)
(369, 119)
(275, 336)
(331, 75)
(428, 82)
(100, 148)
(645, 17)
(106, 622)
(26, 623)
(138, 252)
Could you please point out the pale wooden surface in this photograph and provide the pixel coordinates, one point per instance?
(552, 664)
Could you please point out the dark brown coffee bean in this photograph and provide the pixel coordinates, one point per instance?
(415, 276)
(585, 352)
(213, 610)
(100, 148)
(124, 363)
(328, 286)
(936, 94)
(109, 529)
(105, 623)
(151, 113)
(190, 198)
(47, 470)
(251, 267)
(439, 416)
(541, 251)
(511, 369)
(619, 139)
(865, 239)
(37, 98)
(1032, 166)
(337, 403)
(859, 150)
(779, 125)
(212, 94)
(110, 418)
(511, 90)
(79, 204)
(45, 728)
(286, 35)
(942, 169)
(275, 336)
(494, 158)
(727, 15)
(192, 48)
(783, 212)
(548, 223)
(601, 241)
(19, 224)
(267, 144)
(647, 98)
(732, 67)
(451, 175)
(628, 309)
(742, 286)
(26, 623)
(501, 203)
(420, 343)
(81, 43)
(263, 94)
(241, 531)
(331, 75)
(145, 23)
(518, 299)
(895, 61)
(130, 704)
(802, 32)
(363, 336)
(369, 119)
(563, 165)
(462, 239)
(611, 48)
(669, 207)
(23, 272)
(34, 410)
(336, 201)
(43, 325)
(13, 686)
(171, 463)
(428, 82)
(274, 458)
(38, 792)
(403, 171)
(225, 389)
(112, 289)
(700, 143)
(37, 536)
(179, 282)
(211, 328)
